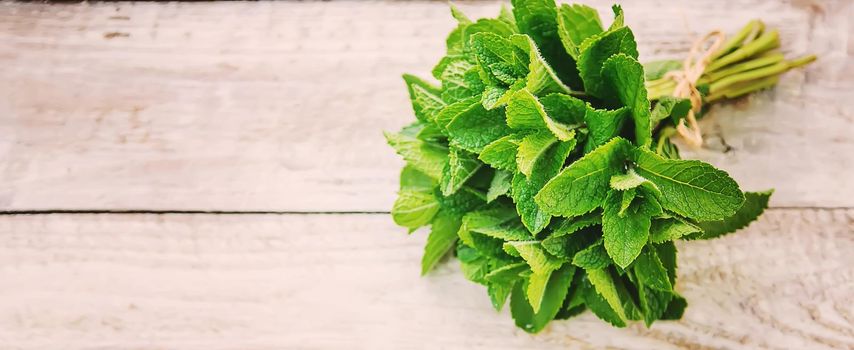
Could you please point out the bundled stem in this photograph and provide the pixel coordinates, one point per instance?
(746, 62)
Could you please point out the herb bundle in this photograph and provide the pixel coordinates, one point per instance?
(543, 162)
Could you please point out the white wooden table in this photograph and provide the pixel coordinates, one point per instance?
(213, 176)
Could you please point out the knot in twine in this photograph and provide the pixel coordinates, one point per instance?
(686, 83)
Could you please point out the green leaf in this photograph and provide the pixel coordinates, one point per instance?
(524, 112)
(501, 153)
(488, 25)
(498, 294)
(653, 303)
(598, 49)
(443, 235)
(531, 149)
(593, 257)
(755, 203)
(414, 180)
(540, 261)
(604, 285)
(500, 185)
(691, 188)
(626, 234)
(414, 209)
(651, 272)
(675, 309)
(576, 23)
(572, 225)
(663, 230)
(498, 222)
(475, 127)
(624, 75)
(602, 125)
(567, 246)
(564, 109)
(462, 201)
(459, 79)
(541, 78)
(536, 289)
(461, 167)
(670, 107)
(426, 100)
(459, 15)
(583, 185)
(618, 17)
(657, 69)
(627, 181)
(667, 254)
(524, 189)
(492, 50)
(553, 296)
(451, 111)
(428, 158)
(507, 274)
(538, 19)
(600, 306)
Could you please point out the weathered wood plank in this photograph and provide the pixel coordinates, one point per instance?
(351, 281)
(279, 105)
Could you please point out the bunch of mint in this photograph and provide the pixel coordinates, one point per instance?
(532, 163)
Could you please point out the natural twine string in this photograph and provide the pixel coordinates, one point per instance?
(686, 83)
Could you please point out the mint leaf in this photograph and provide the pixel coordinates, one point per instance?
(428, 158)
(540, 261)
(553, 296)
(583, 185)
(531, 149)
(524, 112)
(426, 100)
(564, 109)
(414, 180)
(566, 246)
(691, 188)
(538, 19)
(600, 306)
(675, 308)
(475, 127)
(755, 203)
(624, 76)
(501, 153)
(626, 234)
(599, 48)
(494, 51)
(571, 225)
(663, 230)
(604, 285)
(497, 222)
(593, 257)
(498, 294)
(461, 167)
(653, 303)
(536, 289)
(443, 234)
(507, 274)
(602, 125)
(524, 189)
(447, 114)
(541, 79)
(651, 272)
(500, 185)
(576, 23)
(670, 107)
(414, 209)
(626, 181)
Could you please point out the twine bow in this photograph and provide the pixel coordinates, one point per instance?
(686, 83)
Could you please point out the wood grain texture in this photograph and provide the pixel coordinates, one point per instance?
(279, 105)
(351, 281)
